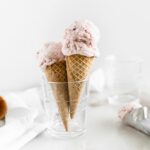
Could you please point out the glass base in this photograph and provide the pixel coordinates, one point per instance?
(122, 99)
(59, 132)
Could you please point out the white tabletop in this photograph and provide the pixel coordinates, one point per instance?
(104, 131)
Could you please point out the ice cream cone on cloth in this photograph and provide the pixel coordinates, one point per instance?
(79, 47)
(53, 64)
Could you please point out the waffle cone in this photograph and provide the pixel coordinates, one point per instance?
(78, 68)
(57, 73)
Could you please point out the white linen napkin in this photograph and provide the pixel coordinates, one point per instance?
(24, 120)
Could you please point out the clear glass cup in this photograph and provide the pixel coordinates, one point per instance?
(123, 78)
(54, 99)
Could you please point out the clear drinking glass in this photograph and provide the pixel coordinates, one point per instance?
(55, 98)
(123, 77)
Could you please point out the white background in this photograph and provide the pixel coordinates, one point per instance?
(26, 24)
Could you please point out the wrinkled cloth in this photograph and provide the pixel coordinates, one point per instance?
(24, 120)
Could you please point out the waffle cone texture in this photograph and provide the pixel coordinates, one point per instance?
(57, 73)
(78, 68)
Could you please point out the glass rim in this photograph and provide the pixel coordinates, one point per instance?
(52, 82)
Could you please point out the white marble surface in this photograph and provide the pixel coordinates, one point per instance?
(104, 131)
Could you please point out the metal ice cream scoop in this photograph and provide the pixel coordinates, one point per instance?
(139, 118)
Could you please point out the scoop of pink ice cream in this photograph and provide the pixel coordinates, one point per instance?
(50, 54)
(127, 108)
(81, 38)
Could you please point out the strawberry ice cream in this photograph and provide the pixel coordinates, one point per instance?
(126, 109)
(81, 38)
(49, 54)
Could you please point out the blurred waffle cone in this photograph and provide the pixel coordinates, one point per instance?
(78, 68)
(57, 73)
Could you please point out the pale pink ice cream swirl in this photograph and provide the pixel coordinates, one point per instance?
(49, 54)
(81, 37)
(127, 108)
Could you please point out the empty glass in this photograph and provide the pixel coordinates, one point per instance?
(123, 77)
(59, 103)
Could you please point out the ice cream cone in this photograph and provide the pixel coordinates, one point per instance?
(57, 73)
(78, 68)
(80, 48)
(52, 62)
